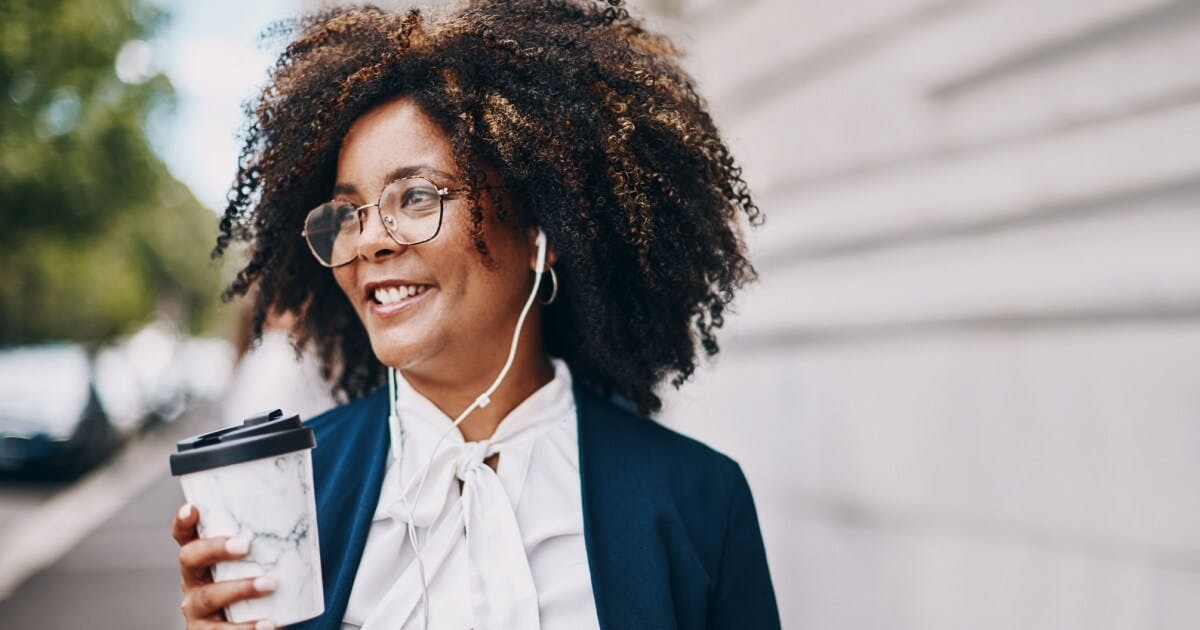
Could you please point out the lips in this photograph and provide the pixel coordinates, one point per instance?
(389, 297)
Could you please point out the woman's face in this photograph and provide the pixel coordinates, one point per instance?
(463, 316)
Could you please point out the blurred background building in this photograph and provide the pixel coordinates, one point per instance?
(966, 391)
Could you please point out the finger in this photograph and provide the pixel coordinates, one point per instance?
(196, 557)
(214, 623)
(207, 600)
(183, 528)
(249, 625)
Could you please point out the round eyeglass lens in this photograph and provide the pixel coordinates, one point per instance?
(411, 209)
(332, 232)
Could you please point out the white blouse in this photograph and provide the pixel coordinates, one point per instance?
(506, 552)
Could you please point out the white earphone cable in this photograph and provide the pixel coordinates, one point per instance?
(482, 400)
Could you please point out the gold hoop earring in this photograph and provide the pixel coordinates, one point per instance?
(554, 289)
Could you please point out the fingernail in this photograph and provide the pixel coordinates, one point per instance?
(264, 625)
(264, 584)
(185, 511)
(237, 546)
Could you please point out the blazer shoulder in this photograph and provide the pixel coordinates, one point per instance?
(677, 516)
(642, 441)
(342, 415)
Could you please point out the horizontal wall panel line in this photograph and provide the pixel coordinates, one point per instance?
(788, 186)
(760, 88)
(1102, 35)
(848, 512)
(791, 339)
(1186, 190)
(714, 14)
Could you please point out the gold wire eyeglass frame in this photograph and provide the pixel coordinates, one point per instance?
(389, 222)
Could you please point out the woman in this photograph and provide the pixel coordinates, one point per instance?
(519, 217)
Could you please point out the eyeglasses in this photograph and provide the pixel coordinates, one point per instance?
(410, 208)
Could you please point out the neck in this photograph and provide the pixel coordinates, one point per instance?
(531, 369)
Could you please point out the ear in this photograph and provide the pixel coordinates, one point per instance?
(551, 255)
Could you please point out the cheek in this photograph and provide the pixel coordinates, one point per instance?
(347, 281)
(455, 261)
(472, 294)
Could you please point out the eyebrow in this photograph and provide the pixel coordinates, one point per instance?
(345, 188)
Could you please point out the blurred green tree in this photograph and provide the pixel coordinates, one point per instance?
(95, 234)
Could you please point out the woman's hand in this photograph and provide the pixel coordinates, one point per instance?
(204, 600)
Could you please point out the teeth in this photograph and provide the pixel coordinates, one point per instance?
(391, 295)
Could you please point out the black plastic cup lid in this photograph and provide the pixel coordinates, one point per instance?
(262, 435)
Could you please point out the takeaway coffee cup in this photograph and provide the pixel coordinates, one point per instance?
(255, 481)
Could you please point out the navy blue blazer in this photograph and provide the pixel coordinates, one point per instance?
(671, 533)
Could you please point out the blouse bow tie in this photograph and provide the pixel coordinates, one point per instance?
(501, 583)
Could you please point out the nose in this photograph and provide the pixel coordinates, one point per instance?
(374, 242)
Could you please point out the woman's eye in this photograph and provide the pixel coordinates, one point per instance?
(346, 215)
(418, 196)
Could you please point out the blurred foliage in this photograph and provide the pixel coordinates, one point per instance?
(96, 234)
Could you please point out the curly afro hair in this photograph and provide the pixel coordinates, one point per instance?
(572, 102)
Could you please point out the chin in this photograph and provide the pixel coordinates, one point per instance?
(396, 349)
(391, 354)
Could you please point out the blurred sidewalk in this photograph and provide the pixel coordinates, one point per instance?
(122, 574)
(97, 553)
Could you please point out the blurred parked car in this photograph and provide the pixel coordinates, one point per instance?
(51, 421)
(64, 410)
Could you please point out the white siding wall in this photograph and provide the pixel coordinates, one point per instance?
(967, 389)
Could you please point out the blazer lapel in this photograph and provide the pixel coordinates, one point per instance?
(629, 571)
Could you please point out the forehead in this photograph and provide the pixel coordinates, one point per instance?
(392, 137)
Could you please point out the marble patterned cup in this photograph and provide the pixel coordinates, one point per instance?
(255, 481)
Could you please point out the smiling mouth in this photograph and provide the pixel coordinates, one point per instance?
(387, 296)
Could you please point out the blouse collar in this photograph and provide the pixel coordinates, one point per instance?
(422, 425)
(550, 402)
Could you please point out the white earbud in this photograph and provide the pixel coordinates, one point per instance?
(482, 401)
(541, 257)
